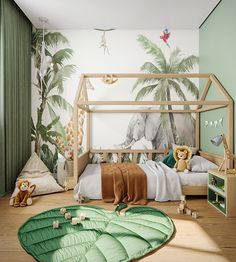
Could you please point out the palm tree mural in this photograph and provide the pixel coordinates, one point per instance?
(161, 88)
(50, 88)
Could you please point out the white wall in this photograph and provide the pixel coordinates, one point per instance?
(126, 56)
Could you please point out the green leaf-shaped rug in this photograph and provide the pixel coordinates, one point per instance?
(102, 236)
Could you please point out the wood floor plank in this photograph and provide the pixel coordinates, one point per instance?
(210, 238)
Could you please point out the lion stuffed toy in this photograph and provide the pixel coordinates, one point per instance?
(23, 197)
(182, 155)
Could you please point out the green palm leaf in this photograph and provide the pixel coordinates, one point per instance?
(62, 75)
(145, 91)
(175, 58)
(60, 56)
(53, 123)
(145, 81)
(153, 50)
(160, 93)
(149, 67)
(187, 64)
(57, 100)
(191, 87)
(177, 89)
(58, 126)
(54, 38)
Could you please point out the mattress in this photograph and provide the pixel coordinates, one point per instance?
(90, 181)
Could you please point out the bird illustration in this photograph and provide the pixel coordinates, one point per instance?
(165, 36)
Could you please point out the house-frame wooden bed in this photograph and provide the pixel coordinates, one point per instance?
(83, 104)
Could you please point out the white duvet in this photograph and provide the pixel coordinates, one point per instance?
(163, 183)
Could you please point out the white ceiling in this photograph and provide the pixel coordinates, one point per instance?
(119, 14)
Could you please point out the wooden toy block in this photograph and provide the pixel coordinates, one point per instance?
(182, 206)
(55, 224)
(195, 214)
(67, 215)
(180, 211)
(183, 198)
(63, 211)
(188, 211)
(82, 216)
(74, 221)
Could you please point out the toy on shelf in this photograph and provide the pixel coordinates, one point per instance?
(213, 181)
(183, 209)
(23, 197)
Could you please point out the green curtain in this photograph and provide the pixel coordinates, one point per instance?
(15, 93)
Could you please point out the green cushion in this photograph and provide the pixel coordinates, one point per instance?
(102, 236)
(169, 160)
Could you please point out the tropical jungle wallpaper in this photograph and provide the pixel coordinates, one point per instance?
(166, 128)
(53, 137)
(69, 53)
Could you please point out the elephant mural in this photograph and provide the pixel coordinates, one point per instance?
(156, 127)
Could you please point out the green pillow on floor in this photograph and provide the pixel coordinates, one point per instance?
(169, 160)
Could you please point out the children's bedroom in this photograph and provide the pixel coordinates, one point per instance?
(117, 130)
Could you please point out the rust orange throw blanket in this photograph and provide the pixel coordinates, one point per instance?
(125, 182)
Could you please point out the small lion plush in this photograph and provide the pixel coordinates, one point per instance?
(182, 155)
(23, 197)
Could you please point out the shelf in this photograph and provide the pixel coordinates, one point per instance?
(221, 209)
(217, 190)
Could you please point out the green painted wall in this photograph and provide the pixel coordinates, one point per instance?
(217, 52)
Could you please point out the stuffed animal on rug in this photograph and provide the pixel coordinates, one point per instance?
(182, 155)
(23, 197)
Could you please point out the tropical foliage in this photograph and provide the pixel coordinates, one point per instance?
(162, 88)
(50, 88)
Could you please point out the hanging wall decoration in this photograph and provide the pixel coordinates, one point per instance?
(214, 123)
(103, 43)
(165, 36)
(109, 79)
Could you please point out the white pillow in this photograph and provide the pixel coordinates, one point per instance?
(143, 158)
(193, 149)
(97, 158)
(200, 164)
(112, 158)
(37, 173)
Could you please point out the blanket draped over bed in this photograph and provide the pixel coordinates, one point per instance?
(125, 182)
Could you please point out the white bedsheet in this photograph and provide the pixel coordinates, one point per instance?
(90, 181)
(168, 186)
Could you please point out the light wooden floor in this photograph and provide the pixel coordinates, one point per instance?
(211, 238)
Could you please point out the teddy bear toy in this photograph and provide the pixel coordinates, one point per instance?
(182, 155)
(23, 197)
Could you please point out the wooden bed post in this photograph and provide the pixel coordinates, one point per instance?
(88, 132)
(201, 105)
(197, 130)
(230, 116)
(75, 116)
